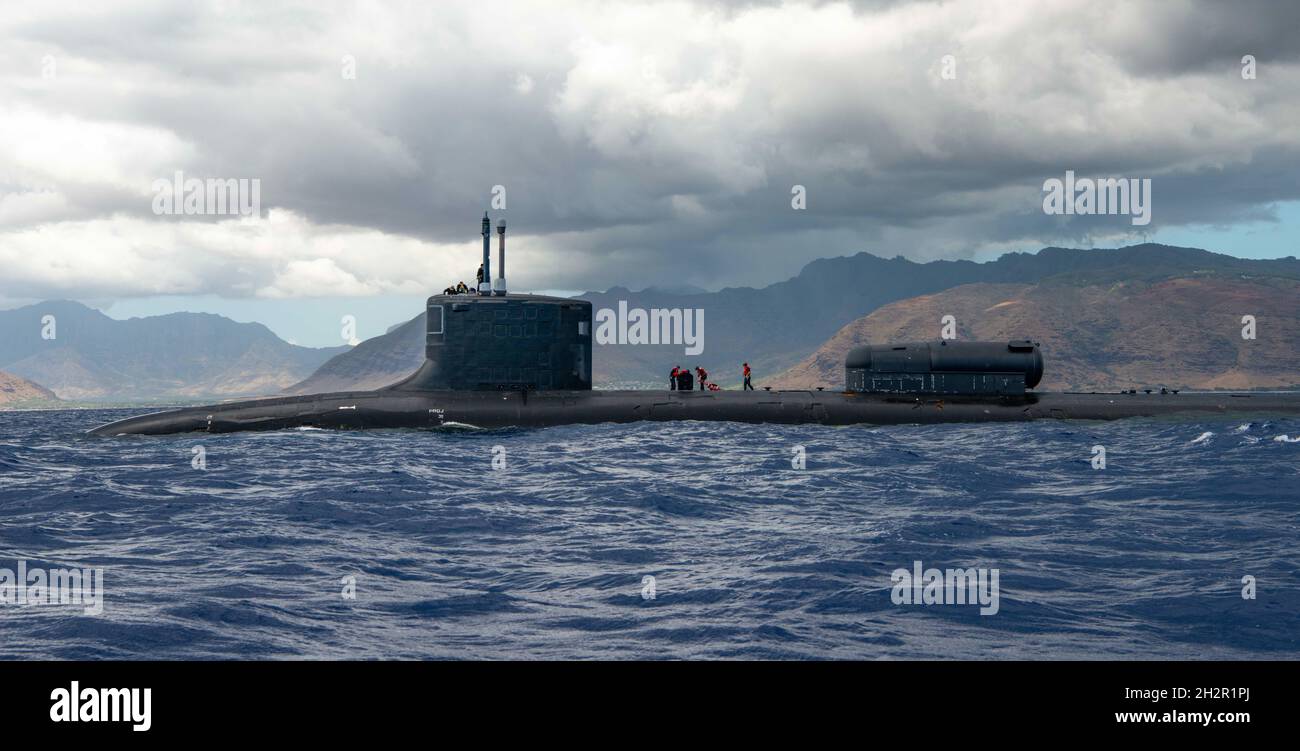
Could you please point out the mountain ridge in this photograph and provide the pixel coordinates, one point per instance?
(16, 391)
(80, 353)
(1181, 332)
(777, 326)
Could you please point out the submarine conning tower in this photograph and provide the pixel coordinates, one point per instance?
(945, 367)
(500, 341)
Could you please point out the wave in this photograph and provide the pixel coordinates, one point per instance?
(763, 541)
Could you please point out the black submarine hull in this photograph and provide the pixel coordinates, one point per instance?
(492, 409)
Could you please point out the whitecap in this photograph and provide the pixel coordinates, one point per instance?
(1284, 438)
(1203, 437)
(461, 425)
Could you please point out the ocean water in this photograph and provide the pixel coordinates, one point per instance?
(313, 544)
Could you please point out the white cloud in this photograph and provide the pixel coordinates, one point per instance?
(640, 143)
(282, 255)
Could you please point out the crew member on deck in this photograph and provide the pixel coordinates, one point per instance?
(461, 289)
(480, 278)
(748, 386)
(703, 375)
(672, 377)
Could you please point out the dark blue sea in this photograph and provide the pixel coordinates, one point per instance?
(311, 544)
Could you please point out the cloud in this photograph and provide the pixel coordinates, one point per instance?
(282, 255)
(647, 143)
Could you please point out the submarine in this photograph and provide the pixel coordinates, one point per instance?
(499, 359)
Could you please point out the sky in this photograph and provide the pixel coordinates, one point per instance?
(632, 143)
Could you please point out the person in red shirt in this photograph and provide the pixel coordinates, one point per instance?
(703, 375)
(672, 378)
(748, 385)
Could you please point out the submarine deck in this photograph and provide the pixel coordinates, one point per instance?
(398, 408)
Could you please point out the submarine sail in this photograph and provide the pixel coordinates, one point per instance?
(508, 343)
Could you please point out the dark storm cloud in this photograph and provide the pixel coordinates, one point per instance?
(659, 143)
(1171, 39)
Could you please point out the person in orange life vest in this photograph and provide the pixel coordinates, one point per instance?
(748, 386)
(672, 378)
(703, 375)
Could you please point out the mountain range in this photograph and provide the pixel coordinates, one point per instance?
(1107, 318)
(776, 327)
(1183, 332)
(81, 354)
